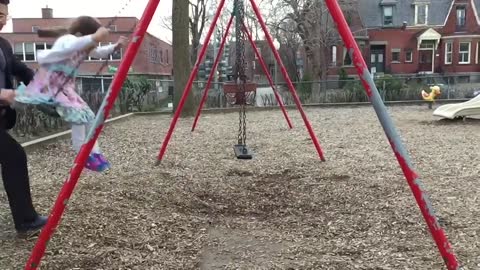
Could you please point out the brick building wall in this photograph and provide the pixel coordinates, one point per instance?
(456, 39)
(154, 57)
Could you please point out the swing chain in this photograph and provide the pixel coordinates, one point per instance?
(241, 67)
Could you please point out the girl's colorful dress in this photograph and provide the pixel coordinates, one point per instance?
(54, 85)
(54, 82)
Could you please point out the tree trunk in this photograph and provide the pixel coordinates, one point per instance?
(181, 55)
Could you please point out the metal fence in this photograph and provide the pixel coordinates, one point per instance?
(391, 88)
(32, 123)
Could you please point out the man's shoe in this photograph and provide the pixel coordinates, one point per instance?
(33, 227)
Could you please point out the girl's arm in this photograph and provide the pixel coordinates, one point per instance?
(103, 51)
(73, 43)
(64, 47)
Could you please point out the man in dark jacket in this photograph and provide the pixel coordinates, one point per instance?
(13, 159)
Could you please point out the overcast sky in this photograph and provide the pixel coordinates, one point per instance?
(96, 8)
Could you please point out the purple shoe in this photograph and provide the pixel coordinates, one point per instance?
(104, 164)
(93, 163)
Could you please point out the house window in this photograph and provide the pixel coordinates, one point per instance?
(117, 55)
(29, 51)
(18, 51)
(448, 52)
(34, 28)
(347, 60)
(387, 15)
(421, 14)
(464, 53)
(408, 56)
(153, 55)
(166, 55)
(25, 51)
(362, 46)
(461, 16)
(477, 57)
(39, 47)
(427, 44)
(113, 28)
(395, 55)
(334, 56)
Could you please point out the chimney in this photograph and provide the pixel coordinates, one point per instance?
(47, 13)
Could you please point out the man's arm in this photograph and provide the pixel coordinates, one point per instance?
(17, 68)
(21, 71)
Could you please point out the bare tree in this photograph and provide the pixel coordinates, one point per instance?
(181, 63)
(197, 21)
(290, 46)
(317, 31)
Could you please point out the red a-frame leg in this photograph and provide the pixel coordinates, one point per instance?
(68, 187)
(287, 79)
(269, 78)
(399, 150)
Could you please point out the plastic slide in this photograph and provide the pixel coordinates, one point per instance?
(452, 111)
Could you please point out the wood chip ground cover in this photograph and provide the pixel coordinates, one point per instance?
(203, 209)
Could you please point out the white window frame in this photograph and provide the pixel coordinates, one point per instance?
(464, 14)
(476, 52)
(345, 52)
(24, 53)
(399, 51)
(383, 15)
(460, 52)
(407, 52)
(448, 52)
(426, 14)
(334, 55)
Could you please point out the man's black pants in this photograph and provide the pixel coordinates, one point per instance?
(13, 161)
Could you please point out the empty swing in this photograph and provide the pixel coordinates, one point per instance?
(238, 89)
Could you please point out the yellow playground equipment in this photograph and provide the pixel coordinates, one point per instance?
(430, 97)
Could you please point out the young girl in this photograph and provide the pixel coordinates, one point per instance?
(54, 83)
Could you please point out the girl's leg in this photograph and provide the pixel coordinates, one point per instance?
(79, 135)
(94, 161)
(96, 148)
(104, 164)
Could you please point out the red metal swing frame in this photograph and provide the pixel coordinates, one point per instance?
(403, 159)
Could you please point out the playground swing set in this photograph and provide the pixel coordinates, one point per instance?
(239, 91)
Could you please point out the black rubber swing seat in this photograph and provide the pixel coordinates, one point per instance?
(242, 151)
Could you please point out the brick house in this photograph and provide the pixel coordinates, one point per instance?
(154, 57)
(417, 37)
